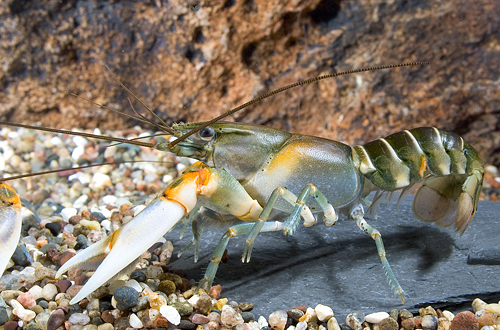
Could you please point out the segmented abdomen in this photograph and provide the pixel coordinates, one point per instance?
(408, 156)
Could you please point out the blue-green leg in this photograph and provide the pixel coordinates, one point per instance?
(300, 203)
(257, 227)
(299, 209)
(357, 214)
(241, 229)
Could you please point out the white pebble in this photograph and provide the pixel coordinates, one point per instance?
(311, 311)
(67, 213)
(49, 291)
(79, 318)
(109, 199)
(100, 181)
(77, 152)
(478, 305)
(493, 308)
(56, 140)
(301, 326)
(180, 167)
(36, 292)
(69, 228)
(80, 201)
(134, 284)
(376, 318)
(84, 178)
(24, 314)
(277, 320)
(171, 314)
(332, 324)
(135, 322)
(292, 327)
(449, 315)
(110, 151)
(352, 321)
(80, 141)
(42, 319)
(262, 322)
(231, 317)
(323, 312)
(106, 224)
(193, 300)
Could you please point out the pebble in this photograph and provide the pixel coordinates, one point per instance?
(79, 318)
(408, 324)
(21, 312)
(126, 297)
(332, 324)
(4, 316)
(429, 322)
(134, 284)
(353, 321)
(215, 291)
(486, 319)
(388, 324)
(324, 313)
(56, 319)
(203, 303)
(278, 320)
(67, 213)
(11, 325)
(135, 322)
(186, 325)
(167, 287)
(138, 275)
(492, 308)
(262, 322)
(449, 315)
(295, 313)
(427, 311)
(183, 307)
(62, 285)
(232, 318)
(49, 291)
(26, 299)
(444, 323)
(478, 305)
(42, 319)
(376, 318)
(464, 321)
(301, 326)
(199, 319)
(246, 306)
(171, 314)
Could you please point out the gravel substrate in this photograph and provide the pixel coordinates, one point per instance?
(80, 207)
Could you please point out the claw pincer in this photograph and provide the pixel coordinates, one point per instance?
(126, 244)
(10, 224)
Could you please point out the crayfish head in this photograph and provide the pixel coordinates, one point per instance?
(197, 145)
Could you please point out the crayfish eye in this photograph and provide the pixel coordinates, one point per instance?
(206, 133)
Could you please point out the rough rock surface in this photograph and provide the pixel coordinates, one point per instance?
(339, 267)
(189, 60)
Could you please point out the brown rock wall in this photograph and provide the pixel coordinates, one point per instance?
(190, 60)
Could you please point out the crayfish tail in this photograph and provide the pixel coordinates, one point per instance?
(449, 200)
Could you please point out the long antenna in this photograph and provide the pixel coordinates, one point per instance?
(282, 89)
(63, 131)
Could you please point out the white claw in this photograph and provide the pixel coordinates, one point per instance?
(10, 224)
(127, 243)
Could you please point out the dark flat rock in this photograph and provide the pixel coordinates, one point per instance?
(339, 266)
